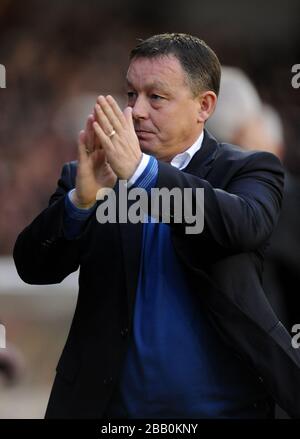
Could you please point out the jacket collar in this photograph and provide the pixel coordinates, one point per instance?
(203, 159)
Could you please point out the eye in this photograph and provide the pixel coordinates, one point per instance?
(130, 94)
(156, 97)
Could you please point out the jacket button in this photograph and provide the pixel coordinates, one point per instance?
(107, 380)
(124, 332)
(261, 379)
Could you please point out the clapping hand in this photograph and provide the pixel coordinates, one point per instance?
(94, 172)
(115, 132)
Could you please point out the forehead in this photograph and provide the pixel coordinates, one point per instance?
(165, 71)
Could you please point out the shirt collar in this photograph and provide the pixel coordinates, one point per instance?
(181, 160)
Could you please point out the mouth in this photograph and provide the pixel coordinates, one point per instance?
(144, 134)
(143, 131)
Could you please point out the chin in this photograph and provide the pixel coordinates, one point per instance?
(148, 148)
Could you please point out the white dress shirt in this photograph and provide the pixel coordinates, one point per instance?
(180, 161)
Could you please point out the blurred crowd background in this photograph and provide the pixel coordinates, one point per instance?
(59, 56)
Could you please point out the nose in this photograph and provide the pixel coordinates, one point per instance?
(140, 108)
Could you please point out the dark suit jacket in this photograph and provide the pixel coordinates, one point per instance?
(243, 193)
(282, 264)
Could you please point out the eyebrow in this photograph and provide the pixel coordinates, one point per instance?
(154, 84)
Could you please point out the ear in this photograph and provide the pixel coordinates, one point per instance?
(207, 104)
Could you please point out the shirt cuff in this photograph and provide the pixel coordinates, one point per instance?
(74, 218)
(139, 170)
(75, 212)
(148, 178)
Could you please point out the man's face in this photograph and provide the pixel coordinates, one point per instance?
(165, 113)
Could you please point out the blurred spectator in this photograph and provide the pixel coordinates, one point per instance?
(237, 116)
(11, 365)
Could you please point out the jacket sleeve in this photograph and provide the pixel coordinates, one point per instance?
(41, 253)
(240, 216)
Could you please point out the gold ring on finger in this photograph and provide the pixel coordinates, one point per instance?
(112, 133)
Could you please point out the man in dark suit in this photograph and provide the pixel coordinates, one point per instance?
(167, 323)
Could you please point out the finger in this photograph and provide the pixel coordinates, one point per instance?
(99, 159)
(82, 149)
(86, 130)
(110, 114)
(128, 116)
(104, 139)
(97, 144)
(90, 133)
(117, 110)
(103, 121)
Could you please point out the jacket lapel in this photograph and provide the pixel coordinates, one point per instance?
(131, 242)
(202, 161)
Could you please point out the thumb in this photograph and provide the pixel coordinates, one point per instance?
(82, 149)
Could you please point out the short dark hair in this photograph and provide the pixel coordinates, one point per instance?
(197, 59)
